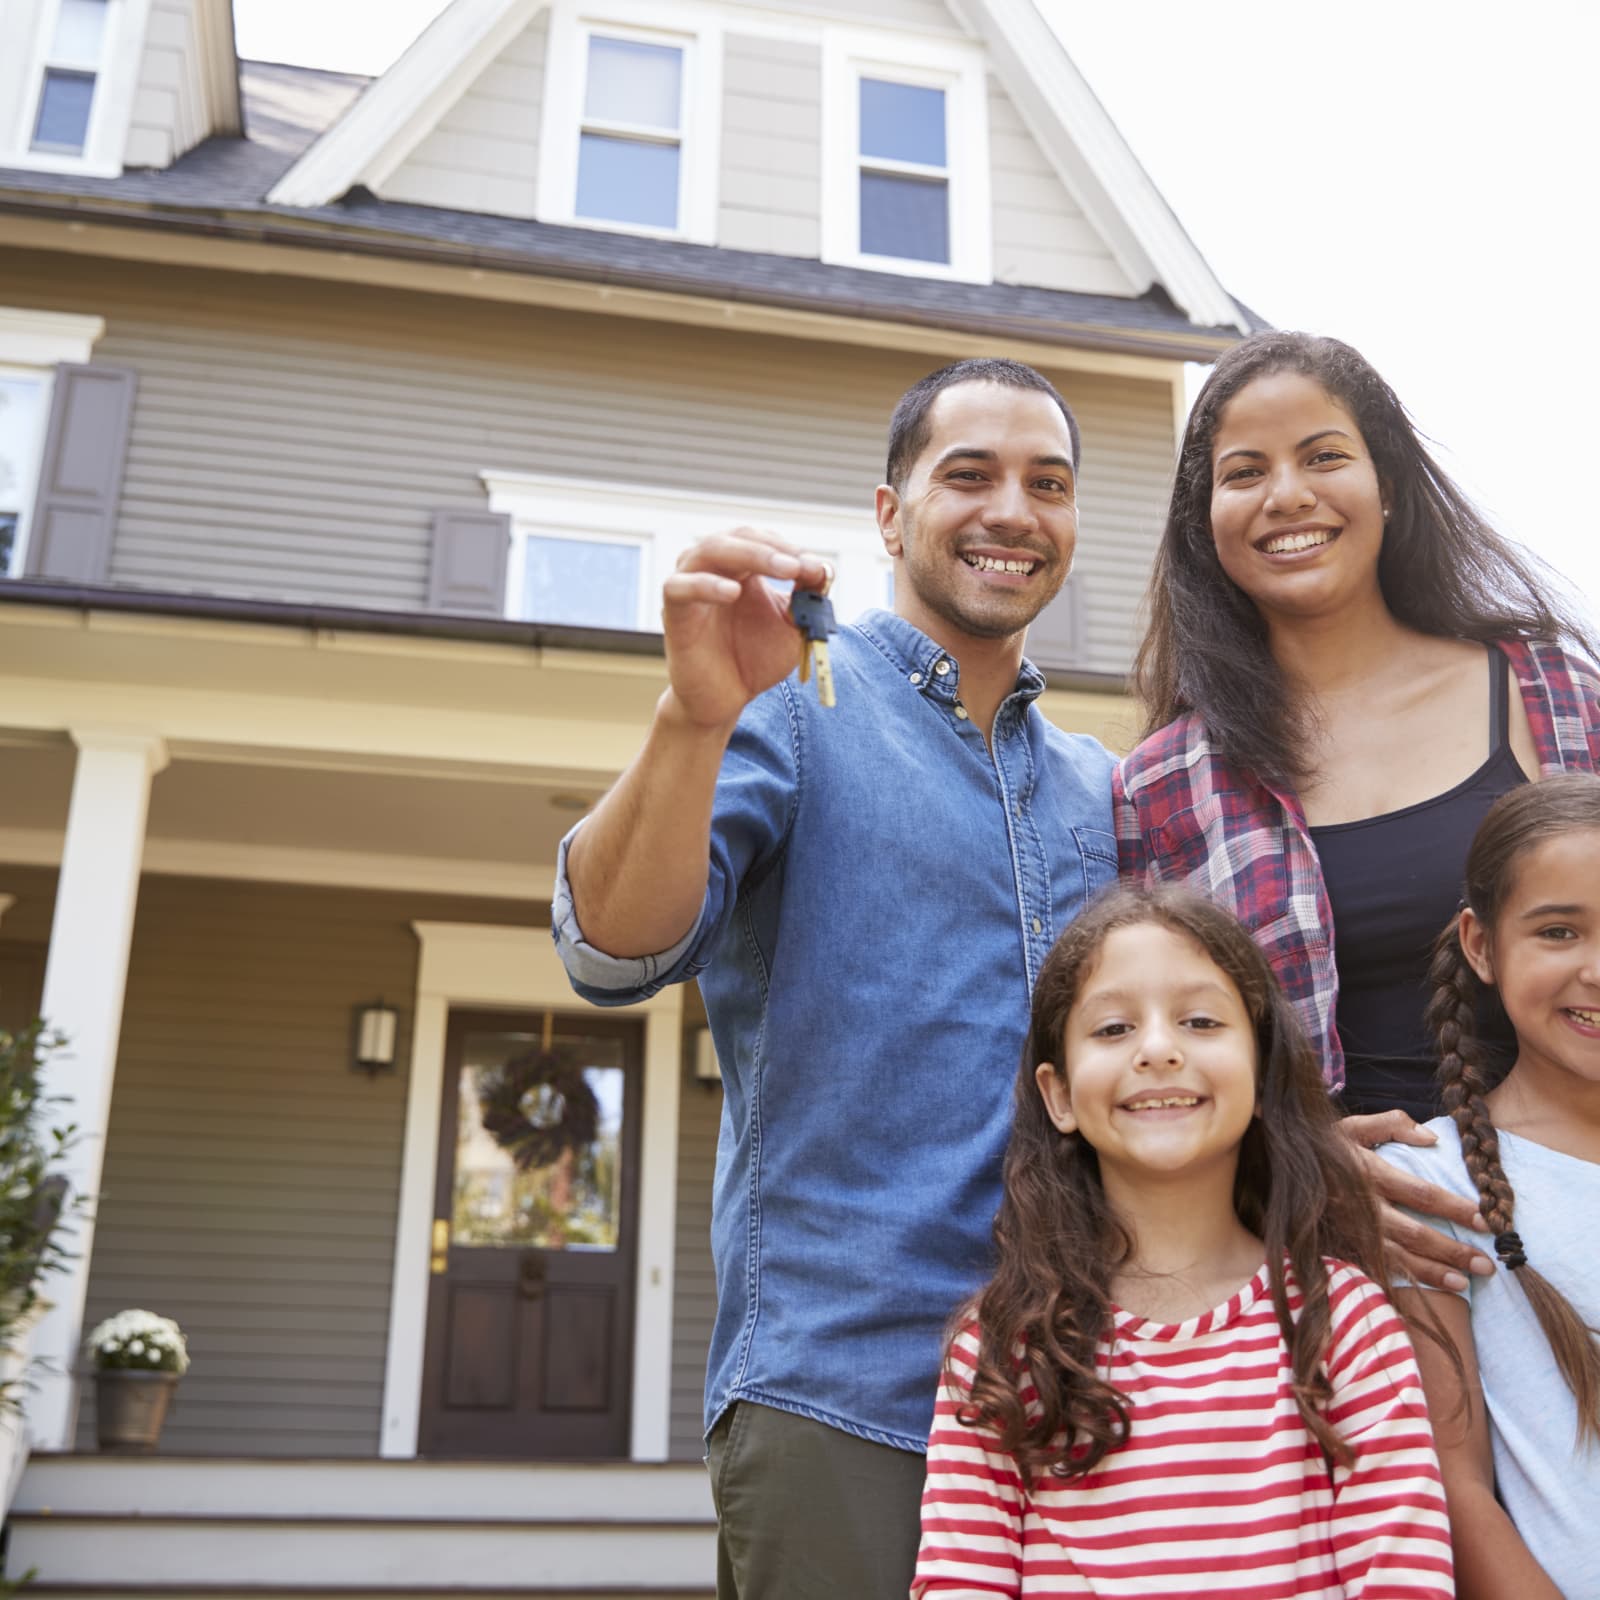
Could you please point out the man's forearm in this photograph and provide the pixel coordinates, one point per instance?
(637, 868)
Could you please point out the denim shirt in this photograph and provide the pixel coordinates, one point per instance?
(882, 893)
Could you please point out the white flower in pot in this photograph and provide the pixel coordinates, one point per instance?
(138, 1358)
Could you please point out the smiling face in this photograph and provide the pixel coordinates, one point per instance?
(1160, 1060)
(1544, 956)
(986, 523)
(1296, 506)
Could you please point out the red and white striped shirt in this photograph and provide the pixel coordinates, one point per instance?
(1220, 1488)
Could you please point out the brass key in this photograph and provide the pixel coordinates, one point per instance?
(813, 615)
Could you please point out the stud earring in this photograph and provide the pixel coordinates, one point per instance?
(1386, 513)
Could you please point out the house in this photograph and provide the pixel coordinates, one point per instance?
(346, 431)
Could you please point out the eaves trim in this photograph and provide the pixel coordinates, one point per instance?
(401, 624)
(321, 234)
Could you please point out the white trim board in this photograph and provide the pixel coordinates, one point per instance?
(465, 964)
(341, 869)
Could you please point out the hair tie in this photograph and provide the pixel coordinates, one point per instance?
(1508, 1246)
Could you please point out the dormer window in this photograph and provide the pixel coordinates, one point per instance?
(71, 69)
(630, 150)
(631, 118)
(905, 159)
(76, 87)
(905, 171)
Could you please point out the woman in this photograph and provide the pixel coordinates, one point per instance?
(1345, 667)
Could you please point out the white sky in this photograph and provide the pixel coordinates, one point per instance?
(1417, 177)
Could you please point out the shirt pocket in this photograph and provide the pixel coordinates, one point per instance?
(1097, 850)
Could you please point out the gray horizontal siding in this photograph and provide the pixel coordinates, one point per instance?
(771, 182)
(251, 1177)
(169, 105)
(1041, 236)
(694, 1301)
(287, 445)
(484, 153)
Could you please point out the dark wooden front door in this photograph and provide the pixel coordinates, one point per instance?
(530, 1313)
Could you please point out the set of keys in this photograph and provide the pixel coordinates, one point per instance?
(812, 614)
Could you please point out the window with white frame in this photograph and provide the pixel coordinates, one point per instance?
(591, 554)
(70, 71)
(630, 148)
(24, 405)
(32, 345)
(905, 157)
(631, 122)
(904, 186)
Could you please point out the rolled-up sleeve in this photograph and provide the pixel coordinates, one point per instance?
(757, 791)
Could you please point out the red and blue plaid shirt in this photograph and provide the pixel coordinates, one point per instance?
(1184, 815)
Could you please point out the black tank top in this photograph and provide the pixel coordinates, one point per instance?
(1394, 881)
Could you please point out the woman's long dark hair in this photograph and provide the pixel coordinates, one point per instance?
(1516, 823)
(1299, 1188)
(1443, 570)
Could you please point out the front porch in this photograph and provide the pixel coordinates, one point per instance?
(218, 1527)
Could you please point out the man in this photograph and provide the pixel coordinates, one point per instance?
(866, 894)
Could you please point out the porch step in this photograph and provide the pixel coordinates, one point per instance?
(216, 1529)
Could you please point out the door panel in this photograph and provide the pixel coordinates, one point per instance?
(530, 1315)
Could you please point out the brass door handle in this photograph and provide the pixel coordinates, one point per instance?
(440, 1257)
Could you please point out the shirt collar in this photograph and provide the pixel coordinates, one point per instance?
(929, 666)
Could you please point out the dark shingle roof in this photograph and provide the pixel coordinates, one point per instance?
(221, 187)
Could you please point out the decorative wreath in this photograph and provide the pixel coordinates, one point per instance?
(536, 1106)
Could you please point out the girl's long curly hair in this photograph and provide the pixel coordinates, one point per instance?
(1299, 1188)
(1517, 822)
(1443, 569)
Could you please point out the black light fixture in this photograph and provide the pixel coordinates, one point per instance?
(373, 1038)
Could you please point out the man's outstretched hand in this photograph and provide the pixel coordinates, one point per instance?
(728, 633)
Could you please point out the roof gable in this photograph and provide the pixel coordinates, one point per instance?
(1095, 167)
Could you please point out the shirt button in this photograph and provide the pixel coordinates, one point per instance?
(916, 677)
(941, 667)
(1038, 926)
(961, 712)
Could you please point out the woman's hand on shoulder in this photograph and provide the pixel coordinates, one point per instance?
(1422, 1254)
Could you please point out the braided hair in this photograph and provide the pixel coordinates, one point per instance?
(1516, 823)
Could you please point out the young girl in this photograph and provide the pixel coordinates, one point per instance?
(1182, 1379)
(1519, 1418)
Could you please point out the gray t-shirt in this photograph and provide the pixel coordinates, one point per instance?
(1547, 1479)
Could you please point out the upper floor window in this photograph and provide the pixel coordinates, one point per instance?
(32, 345)
(905, 157)
(24, 403)
(631, 122)
(71, 69)
(905, 171)
(594, 555)
(631, 147)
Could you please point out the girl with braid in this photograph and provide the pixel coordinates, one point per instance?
(1518, 1418)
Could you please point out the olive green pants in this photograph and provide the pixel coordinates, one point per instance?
(807, 1512)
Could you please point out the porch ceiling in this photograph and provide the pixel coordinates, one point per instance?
(270, 809)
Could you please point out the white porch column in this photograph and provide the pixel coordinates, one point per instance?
(84, 979)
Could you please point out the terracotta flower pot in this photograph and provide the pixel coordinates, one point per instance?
(130, 1408)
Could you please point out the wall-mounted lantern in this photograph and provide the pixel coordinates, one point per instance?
(373, 1038)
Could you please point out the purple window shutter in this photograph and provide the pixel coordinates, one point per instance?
(467, 564)
(1056, 636)
(80, 474)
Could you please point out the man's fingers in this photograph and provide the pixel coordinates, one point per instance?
(705, 588)
(1429, 1258)
(753, 552)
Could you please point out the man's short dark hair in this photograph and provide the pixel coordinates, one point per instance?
(909, 431)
